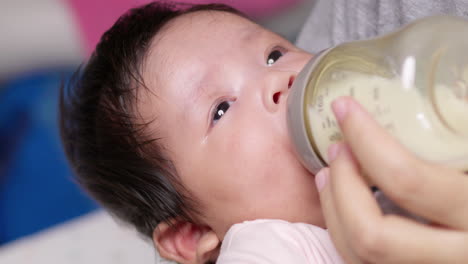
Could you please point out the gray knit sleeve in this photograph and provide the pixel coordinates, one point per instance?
(335, 21)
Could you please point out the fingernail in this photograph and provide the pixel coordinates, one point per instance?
(321, 179)
(340, 107)
(333, 151)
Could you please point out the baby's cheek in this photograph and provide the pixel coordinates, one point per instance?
(262, 155)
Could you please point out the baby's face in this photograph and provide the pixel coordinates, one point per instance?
(220, 86)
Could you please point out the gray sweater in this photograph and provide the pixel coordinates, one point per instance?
(335, 21)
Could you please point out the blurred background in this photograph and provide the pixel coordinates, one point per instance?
(42, 43)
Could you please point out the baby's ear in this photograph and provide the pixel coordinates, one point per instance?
(185, 242)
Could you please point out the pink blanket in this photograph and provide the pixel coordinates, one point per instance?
(95, 17)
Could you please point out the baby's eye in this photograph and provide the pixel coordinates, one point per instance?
(274, 56)
(220, 110)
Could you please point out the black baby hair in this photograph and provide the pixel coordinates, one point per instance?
(121, 166)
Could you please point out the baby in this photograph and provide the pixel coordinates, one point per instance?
(177, 125)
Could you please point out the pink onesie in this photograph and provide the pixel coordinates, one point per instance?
(277, 241)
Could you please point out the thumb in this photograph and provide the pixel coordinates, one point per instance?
(333, 223)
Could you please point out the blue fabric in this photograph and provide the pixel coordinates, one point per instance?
(36, 183)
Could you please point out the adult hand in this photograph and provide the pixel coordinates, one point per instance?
(358, 228)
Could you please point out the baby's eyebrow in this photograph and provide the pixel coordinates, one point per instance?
(197, 91)
(251, 34)
(198, 86)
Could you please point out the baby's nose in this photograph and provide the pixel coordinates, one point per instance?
(276, 91)
(278, 94)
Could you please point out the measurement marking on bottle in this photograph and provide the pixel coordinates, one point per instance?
(351, 91)
(320, 103)
(375, 93)
(337, 136)
(390, 127)
(329, 123)
(380, 111)
(333, 123)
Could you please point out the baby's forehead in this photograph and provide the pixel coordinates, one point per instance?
(208, 20)
(201, 27)
(193, 39)
(183, 48)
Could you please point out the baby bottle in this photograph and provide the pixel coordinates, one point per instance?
(413, 81)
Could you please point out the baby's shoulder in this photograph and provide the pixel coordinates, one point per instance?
(268, 228)
(278, 241)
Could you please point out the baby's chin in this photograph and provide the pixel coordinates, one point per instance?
(295, 159)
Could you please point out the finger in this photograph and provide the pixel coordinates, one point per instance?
(401, 240)
(433, 192)
(332, 220)
(384, 239)
(354, 202)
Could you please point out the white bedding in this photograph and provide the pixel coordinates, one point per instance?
(93, 238)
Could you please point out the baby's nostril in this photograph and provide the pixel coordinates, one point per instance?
(276, 97)
(291, 81)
